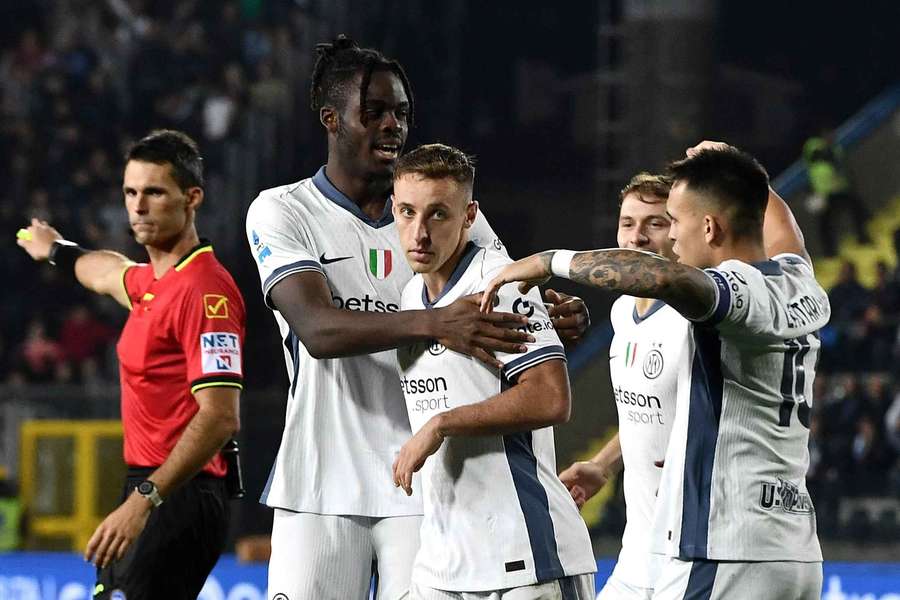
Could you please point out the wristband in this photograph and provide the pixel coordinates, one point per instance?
(64, 253)
(560, 263)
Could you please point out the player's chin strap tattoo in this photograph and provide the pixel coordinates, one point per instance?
(688, 290)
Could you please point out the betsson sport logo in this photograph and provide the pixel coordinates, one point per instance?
(366, 303)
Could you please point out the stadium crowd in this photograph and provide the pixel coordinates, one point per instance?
(73, 95)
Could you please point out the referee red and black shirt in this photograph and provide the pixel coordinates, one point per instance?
(185, 333)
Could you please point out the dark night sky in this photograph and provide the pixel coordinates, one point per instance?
(843, 53)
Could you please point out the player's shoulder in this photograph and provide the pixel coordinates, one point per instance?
(490, 261)
(411, 296)
(283, 199)
(621, 309)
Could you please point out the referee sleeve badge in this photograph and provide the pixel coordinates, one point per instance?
(220, 352)
(215, 306)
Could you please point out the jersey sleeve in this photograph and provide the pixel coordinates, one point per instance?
(482, 234)
(280, 243)
(210, 329)
(744, 303)
(546, 345)
(135, 282)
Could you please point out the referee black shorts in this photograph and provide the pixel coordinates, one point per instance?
(178, 548)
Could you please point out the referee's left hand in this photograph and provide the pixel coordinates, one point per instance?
(118, 531)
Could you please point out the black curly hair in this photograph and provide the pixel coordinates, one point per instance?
(338, 62)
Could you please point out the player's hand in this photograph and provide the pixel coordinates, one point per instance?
(569, 314)
(583, 480)
(462, 327)
(706, 145)
(118, 531)
(531, 271)
(39, 240)
(414, 452)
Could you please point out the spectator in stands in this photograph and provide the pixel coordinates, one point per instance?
(886, 293)
(40, 354)
(849, 299)
(870, 457)
(829, 182)
(82, 336)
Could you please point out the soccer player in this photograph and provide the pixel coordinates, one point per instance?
(331, 267)
(498, 522)
(733, 514)
(645, 354)
(180, 373)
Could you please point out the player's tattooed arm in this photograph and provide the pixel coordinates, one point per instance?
(643, 274)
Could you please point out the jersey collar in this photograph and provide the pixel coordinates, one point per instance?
(768, 267)
(638, 319)
(201, 248)
(321, 181)
(463, 264)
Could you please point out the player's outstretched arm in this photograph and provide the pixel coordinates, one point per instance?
(98, 270)
(644, 274)
(585, 478)
(304, 300)
(216, 421)
(541, 397)
(781, 233)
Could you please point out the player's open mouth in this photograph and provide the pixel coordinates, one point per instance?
(387, 151)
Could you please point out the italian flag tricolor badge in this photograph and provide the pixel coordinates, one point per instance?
(379, 262)
(630, 353)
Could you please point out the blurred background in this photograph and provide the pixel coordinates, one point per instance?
(561, 103)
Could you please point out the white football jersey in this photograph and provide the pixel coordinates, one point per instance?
(734, 482)
(345, 418)
(645, 356)
(496, 514)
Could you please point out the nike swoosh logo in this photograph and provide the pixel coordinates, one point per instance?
(328, 261)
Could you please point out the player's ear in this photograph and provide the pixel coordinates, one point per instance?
(194, 197)
(328, 117)
(712, 230)
(471, 213)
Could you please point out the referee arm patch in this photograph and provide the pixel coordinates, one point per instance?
(220, 352)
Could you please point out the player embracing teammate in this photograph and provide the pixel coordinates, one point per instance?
(733, 517)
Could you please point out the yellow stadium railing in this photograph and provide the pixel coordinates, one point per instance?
(71, 473)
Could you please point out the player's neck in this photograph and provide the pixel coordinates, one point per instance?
(436, 281)
(746, 250)
(642, 305)
(163, 258)
(370, 195)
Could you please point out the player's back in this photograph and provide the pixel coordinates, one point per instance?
(734, 485)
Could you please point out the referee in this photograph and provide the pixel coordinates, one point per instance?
(180, 373)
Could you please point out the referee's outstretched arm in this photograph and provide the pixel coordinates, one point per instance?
(100, 271)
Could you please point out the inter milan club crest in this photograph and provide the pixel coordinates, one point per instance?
(380, 263)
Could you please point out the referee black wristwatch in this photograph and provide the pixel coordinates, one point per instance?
(148, 490)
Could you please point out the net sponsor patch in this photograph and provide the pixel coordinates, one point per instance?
(220, 352)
